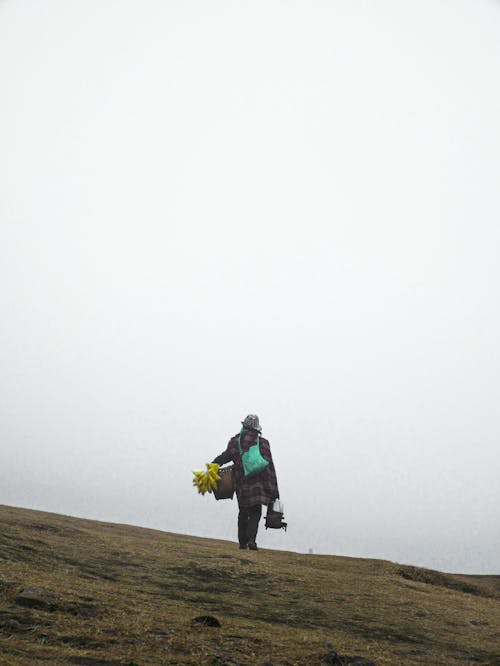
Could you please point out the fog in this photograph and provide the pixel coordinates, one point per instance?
(282, 208)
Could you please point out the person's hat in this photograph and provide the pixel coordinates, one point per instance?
(252, 421)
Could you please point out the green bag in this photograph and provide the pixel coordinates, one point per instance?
(252, 460)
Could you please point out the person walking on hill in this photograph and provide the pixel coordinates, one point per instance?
(252, 491)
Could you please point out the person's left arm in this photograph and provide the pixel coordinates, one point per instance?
(271, 469)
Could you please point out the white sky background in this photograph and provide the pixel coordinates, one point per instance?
(287, 208)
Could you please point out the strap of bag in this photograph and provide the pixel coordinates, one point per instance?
(239, 441)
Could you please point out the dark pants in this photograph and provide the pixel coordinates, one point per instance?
(248, 523)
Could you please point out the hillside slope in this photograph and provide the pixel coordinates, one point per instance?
(77, 591)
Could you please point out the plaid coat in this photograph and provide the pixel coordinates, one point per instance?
(259, 489)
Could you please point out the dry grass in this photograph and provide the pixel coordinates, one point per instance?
(125, 594)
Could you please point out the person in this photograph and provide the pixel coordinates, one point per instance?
(252, 492)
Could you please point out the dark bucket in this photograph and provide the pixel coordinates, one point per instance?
(274, 520)
(226, 484)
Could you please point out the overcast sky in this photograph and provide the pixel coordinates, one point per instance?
(209, 209)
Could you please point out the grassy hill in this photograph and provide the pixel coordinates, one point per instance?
(78, 591)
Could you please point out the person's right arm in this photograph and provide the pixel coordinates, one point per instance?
(224, 457)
